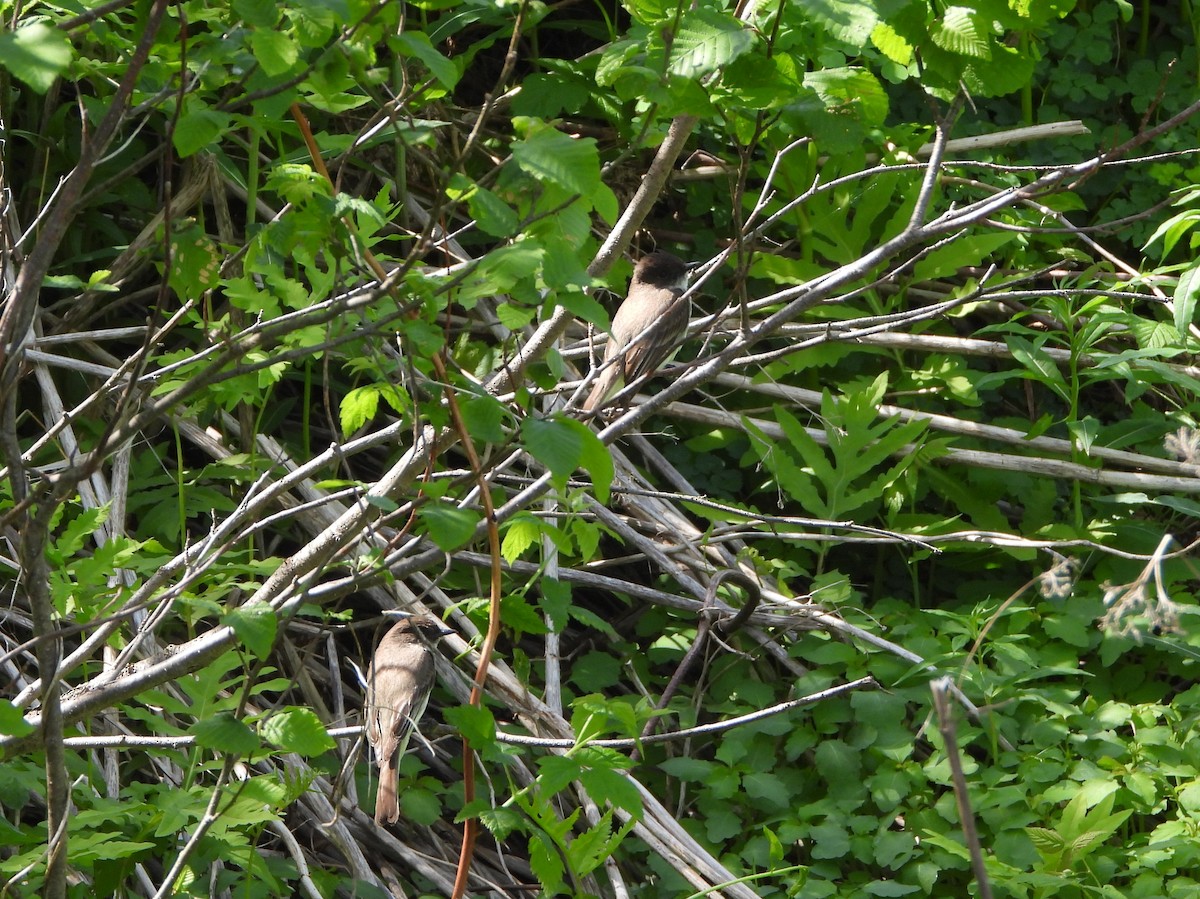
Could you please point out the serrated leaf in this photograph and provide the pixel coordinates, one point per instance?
(961, 31)
(689, 769)
(255, 625)
(549, 155)
(556, 771)
(475, 724)
(420, 806)
(491, 214)
(564, 445)
(448, 526)
(1008, 70)
(358, 407)
(707, 41)
(592, 847)
(546, 864)
(298, 730)
(850, 21)
(522, 532)
(547, 94)
(483, 414)
(1045, 841)
(839, 88)
(891, 44)
(223, 732)
(555, 601)
(519, 615)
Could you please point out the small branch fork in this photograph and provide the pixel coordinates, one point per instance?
(708, 615)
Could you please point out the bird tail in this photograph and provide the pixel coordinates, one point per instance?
(387, 806)
(608, 383)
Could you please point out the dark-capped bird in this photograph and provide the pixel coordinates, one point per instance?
(654, 301)
(399, 681)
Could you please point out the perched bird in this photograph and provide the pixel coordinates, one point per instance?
(654, 302)
(399, 681)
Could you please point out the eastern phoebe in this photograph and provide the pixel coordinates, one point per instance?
(399, 680)
(654, 302)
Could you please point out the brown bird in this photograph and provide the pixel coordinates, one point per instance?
(399, 681)
(653, 302)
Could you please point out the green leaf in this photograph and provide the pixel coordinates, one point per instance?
(767, 788)
(198, 128)
(607, 784)
(889, 888)
(491, 214)
(195, 263)
(546, 864)
(545, 95)
(262, 14)
(791, 477)
(519, 615)
(1045, 841)
(850, 21)
(483, 416)
(555, 772)
(12, 721)
(1174, 228)
(358, 407)
(255, 625)
(839, 765)
(298, 730)
(36, 54)
(1185, 299)
(963, 252)
(1038, 363)
(556, 158)
(596, 844)
(892, 44)
(77, 533)
(476, 724)
(962, 31)
(521, 532)
(688, 769)
(1085, 431)
(276, 52)
(420, 806)
(448, 526)
(596, 669)
(555, 601)
(564, 445)
(842, 88)
(707, 40)
(223, 732)
(417, 45)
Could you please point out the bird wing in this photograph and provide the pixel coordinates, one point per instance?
(389, 728)
(666, 322)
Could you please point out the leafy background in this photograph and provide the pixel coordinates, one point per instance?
(249, 405)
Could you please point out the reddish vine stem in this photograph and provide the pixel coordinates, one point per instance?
(470, 829)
